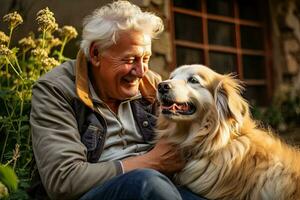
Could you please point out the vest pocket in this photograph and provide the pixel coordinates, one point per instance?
(90, 137)
(93, 139)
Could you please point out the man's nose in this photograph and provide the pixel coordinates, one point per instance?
(139, 69)
(164, 87)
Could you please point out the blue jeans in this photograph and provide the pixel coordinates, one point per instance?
(140, 184)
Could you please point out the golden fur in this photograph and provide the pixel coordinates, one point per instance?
(228, 156)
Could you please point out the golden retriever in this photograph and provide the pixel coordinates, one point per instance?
(228, 156)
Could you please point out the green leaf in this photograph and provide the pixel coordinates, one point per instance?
(8, 177)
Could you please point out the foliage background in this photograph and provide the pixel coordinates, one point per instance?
(20, 67)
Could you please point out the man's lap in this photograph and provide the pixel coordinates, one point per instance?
(141, 184)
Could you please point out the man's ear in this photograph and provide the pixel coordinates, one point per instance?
(94, 55)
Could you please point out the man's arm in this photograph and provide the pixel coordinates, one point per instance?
(59, 153)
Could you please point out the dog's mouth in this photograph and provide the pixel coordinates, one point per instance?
(171, 107)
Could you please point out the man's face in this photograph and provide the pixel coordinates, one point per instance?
(122, 66)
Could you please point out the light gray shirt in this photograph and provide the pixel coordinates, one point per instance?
(122, 138)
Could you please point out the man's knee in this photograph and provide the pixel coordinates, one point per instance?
(147, 173)
(152, 183)
(148, 176)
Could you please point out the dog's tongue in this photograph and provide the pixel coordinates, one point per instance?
(175, 107)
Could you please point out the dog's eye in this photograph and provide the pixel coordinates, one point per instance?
(193, 80)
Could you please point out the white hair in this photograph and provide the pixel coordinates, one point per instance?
(106, 22)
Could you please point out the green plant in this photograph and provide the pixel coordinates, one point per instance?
(20, 67)
(282, 114)
(291, 109)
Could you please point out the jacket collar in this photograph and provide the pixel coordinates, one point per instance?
(147, 85)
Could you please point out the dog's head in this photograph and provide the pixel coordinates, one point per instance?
(201, 99)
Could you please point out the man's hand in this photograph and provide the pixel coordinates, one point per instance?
(164, 157)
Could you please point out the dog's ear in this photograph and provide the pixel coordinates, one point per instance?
(229, 102)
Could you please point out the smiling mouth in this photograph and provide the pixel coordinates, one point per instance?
(131, 81)
(171, 107)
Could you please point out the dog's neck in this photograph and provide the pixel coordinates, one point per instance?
(209, 136)
(175, 132)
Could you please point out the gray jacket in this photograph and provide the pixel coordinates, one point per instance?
(68, 133)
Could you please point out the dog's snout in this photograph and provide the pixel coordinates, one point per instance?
(164, 87)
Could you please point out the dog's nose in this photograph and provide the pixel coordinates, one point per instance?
(164, 87)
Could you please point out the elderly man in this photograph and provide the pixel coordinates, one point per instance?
(92, 118)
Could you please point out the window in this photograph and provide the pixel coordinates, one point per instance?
(228, 36)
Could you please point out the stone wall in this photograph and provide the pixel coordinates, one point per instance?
(286, 45)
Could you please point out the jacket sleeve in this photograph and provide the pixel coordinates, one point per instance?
(60, 155)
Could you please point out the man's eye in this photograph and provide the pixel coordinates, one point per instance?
(193, 80)
(129, 61)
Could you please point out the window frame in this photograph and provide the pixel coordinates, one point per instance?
(237, 49)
